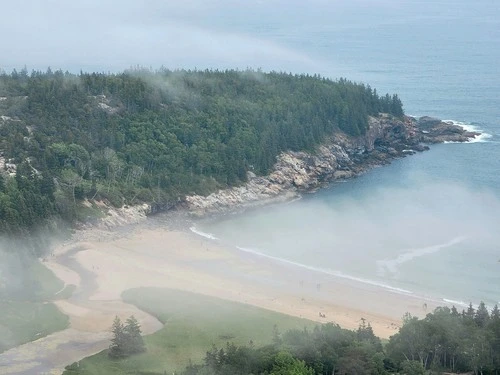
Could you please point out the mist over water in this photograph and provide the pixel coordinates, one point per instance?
(402, 231)
(427, 224)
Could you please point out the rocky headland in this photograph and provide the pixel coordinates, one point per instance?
(340, 157)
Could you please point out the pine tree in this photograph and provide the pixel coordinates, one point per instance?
(495, 313)
(365, 334)
(117, 347)
(470, 313)
(2, 183)
(482, 315)
(396, 106)
(133, 340)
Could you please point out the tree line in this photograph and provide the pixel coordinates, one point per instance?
(445, 341)
(327, 349)
(144, 136)
(452, 341)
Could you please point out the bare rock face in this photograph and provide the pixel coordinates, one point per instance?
(116, 217)
(102, 102)
(437, 131)
(427, 123)
(257, 191)
(339, 157)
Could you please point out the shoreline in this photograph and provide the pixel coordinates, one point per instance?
(206, 266)
(356, 280)
(338, 159)
(152, 255)
(127, 251)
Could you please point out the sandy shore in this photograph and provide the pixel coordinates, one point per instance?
(102, 268)
(182, 260)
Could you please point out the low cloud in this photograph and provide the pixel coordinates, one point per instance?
(113, 36)
(410, 234)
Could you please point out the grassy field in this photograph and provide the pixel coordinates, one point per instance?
(44, 284)
(25, 314)
(193, 323)
(23, 322)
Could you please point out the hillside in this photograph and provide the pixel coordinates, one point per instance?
(155, 137)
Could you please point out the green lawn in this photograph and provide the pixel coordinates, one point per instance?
(22, 321)
(193, 323)
(44, 284)
(25, 314)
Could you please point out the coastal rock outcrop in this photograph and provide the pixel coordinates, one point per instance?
(339, 157)
(116, 217)
(437, 131)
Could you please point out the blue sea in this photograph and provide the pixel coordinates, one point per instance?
(428, 224)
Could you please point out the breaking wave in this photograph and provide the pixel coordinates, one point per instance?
(481, 138)
(388, 264)
(328, 271)
(210, 236)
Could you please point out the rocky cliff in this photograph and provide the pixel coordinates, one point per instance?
(339, 157)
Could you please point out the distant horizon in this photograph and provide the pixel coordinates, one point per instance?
(110, 37)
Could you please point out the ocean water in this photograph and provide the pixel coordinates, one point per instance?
(428, 224)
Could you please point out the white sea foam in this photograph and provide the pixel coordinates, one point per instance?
(483, 137)
(210, 236)
(371, 282)
(388, 264)
(392, 265)
(328, 272)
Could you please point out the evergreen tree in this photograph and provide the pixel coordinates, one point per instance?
(118, 342)
(133, 340)
(470, 313)
(481, 317)
(396, 106)
(365, 334)
(495, 313)
(2, 183)
(127, 339)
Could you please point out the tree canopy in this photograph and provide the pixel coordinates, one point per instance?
(127, 339)
(451, 341)
(445, 341)
(143, 136)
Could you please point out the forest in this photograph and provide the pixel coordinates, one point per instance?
(156, 136)
(445, 341)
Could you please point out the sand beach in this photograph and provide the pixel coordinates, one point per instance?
(102, 265)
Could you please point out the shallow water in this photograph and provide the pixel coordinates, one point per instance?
(426, 224)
